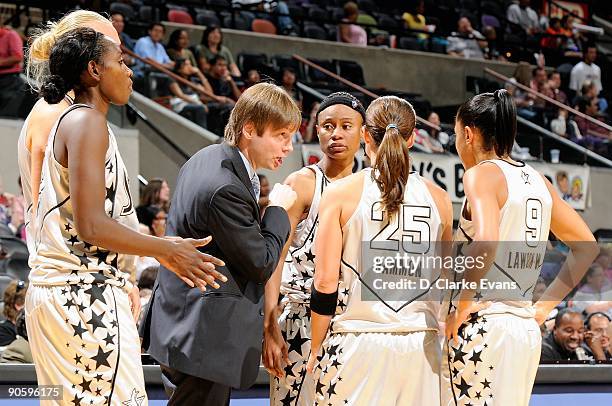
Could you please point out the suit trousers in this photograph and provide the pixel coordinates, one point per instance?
(187, 390)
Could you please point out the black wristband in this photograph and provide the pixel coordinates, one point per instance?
(323, 303)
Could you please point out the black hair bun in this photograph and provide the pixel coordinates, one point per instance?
(54, 89)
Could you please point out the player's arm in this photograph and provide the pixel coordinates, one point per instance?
(569, 227)
(40, 126)
(274, 346)
(485, 204)
(84, 155)
(327, 265)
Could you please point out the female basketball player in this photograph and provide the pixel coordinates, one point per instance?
(35, 131)
(340, 119)
(494, 344)
(82, 333)
(382, 348)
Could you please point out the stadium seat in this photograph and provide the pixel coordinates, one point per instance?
(247, 61)
(491, 20)
(145, 14)
(286, 61)
(317, 15)
(411, 43)
(237, 22)
(352, 71)
(17, 267)
(316, 76)
(208, 18)
(315, 32)
(13, 246)
(218, 4)
(5, 280)
(263, 26)
(336, 13)
(179, 16)
(296, 12)
(125, 9)
(387, 22)
(5, 231)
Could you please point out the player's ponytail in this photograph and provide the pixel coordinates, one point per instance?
(494, 115)
(391, 121)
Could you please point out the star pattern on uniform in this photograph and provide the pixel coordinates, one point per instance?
(525, 177)
(464, 388)
(101, 358)
(134, 399)
(96, 321)
(97, 293)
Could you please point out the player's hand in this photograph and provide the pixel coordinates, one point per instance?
(312, 359)
(275, 353)
(192, 266)
(283, 196)
(135, 306)
(542, 312)
(456, 318)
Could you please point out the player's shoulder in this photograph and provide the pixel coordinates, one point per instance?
(305, 177)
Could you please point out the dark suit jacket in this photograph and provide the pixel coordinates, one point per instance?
(216, 335)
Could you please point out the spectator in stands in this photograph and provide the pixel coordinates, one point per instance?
(156, 193)
(491, 51)
(310, 131)
(18, 352)
(589, 89)
(118, 20)
(264, 192)
(567, 336)
(186, 101)
(178, 47)
(414, 18)
(554, 83)
(146, 281)
(153, 217)
(14, 300)
(11, 61)
(596, 338)
(555, 38)
(349, 32)
(596, 293)
(226, 91)
(524, 16)
(590, 132)
(151, 47)
(221, 80)
(17, 212)
(466, 42)
(432, 139)
(288, 82)
(573, 45)
(212, 46)
(586, 70)
(253, 77)
(539, 83)
(6, 205)
(558, 125)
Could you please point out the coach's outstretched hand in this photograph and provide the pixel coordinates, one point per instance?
(283, 196)
(192, 266)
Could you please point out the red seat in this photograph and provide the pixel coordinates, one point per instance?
(179, 16)
(263, 26)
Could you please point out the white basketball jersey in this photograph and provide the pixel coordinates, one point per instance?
(298, 270)
(60, 256)
(24, 160)
(366, 303)
(523, 235)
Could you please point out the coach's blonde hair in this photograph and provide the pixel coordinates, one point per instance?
(263, 105)
(37, 69)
